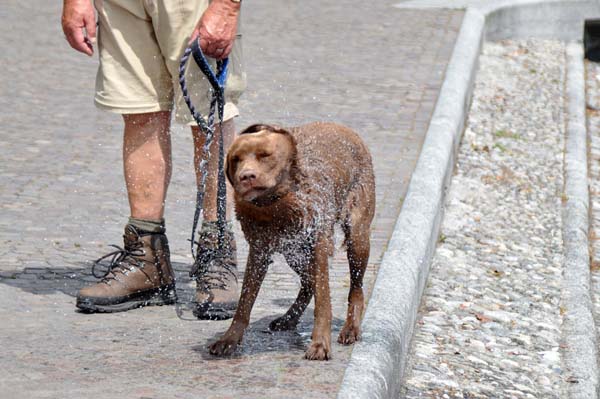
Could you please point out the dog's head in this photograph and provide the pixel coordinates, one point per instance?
(261, 164)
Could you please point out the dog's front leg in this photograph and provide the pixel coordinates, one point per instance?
(256, 268)
(320, 347)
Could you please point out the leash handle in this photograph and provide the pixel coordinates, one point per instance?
(217, 81)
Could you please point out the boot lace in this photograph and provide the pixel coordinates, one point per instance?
(121, 261)
(213, 267)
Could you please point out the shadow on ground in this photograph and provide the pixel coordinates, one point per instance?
(69, 280)
(257, 339)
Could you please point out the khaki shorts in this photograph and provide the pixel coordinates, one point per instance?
(141, 43)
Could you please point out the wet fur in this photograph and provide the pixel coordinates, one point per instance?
(326, 177)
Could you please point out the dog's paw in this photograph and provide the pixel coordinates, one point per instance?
(223, 347)
(318, 351)
(349, 335)
(283, 324)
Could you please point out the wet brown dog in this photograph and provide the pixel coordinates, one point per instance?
(291, 187)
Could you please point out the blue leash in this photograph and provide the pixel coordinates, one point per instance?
(217, 104)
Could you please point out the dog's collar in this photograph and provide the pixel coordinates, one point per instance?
(274, 197)
(267, 200)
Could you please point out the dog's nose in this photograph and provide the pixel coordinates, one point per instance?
(247, 176)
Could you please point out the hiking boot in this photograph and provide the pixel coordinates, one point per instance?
(139, 274)
(215, 271)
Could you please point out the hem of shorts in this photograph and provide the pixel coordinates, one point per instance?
(229, 114)
(133, 109)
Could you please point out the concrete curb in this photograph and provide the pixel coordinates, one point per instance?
(579, 332)
(377, 364)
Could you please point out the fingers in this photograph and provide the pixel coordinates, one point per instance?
(227, 51)
(213, 48)
(77, 40)
(90, 27)
(193, 37)
(78, 18)
(204, 45)
(218, 49)
(223, 52)
(217, 29)
(210, 47)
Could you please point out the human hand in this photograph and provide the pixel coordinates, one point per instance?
(78, 15)
(217, 28)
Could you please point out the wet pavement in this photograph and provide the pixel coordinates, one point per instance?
(373, 67)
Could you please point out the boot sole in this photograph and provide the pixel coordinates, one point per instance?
(212, 312)
(155, 297)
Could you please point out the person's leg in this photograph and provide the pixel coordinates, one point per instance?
(210, 196)
(147, 163)
(215, 267)
(147, 168)
(134, 80)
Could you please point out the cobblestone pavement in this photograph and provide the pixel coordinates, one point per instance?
(489, 322)
(372, 67)
(593, 120)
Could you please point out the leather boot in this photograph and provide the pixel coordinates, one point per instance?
(140, 274)
(215, 270)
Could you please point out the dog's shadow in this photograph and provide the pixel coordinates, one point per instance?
(258, 339)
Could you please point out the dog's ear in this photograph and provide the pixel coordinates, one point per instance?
(259, 127)
(228, 167)
(294, 170)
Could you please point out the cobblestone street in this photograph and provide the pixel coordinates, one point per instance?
(370, 66)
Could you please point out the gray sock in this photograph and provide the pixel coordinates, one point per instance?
(148, 226)
(212, 226)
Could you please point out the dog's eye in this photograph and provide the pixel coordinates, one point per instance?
(235, 159)
(263, 154)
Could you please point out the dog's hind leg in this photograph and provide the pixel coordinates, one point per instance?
(290, 319)
(357, 231)
(318, 271)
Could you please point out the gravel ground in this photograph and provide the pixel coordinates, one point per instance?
(489, 323)
(593, 120)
